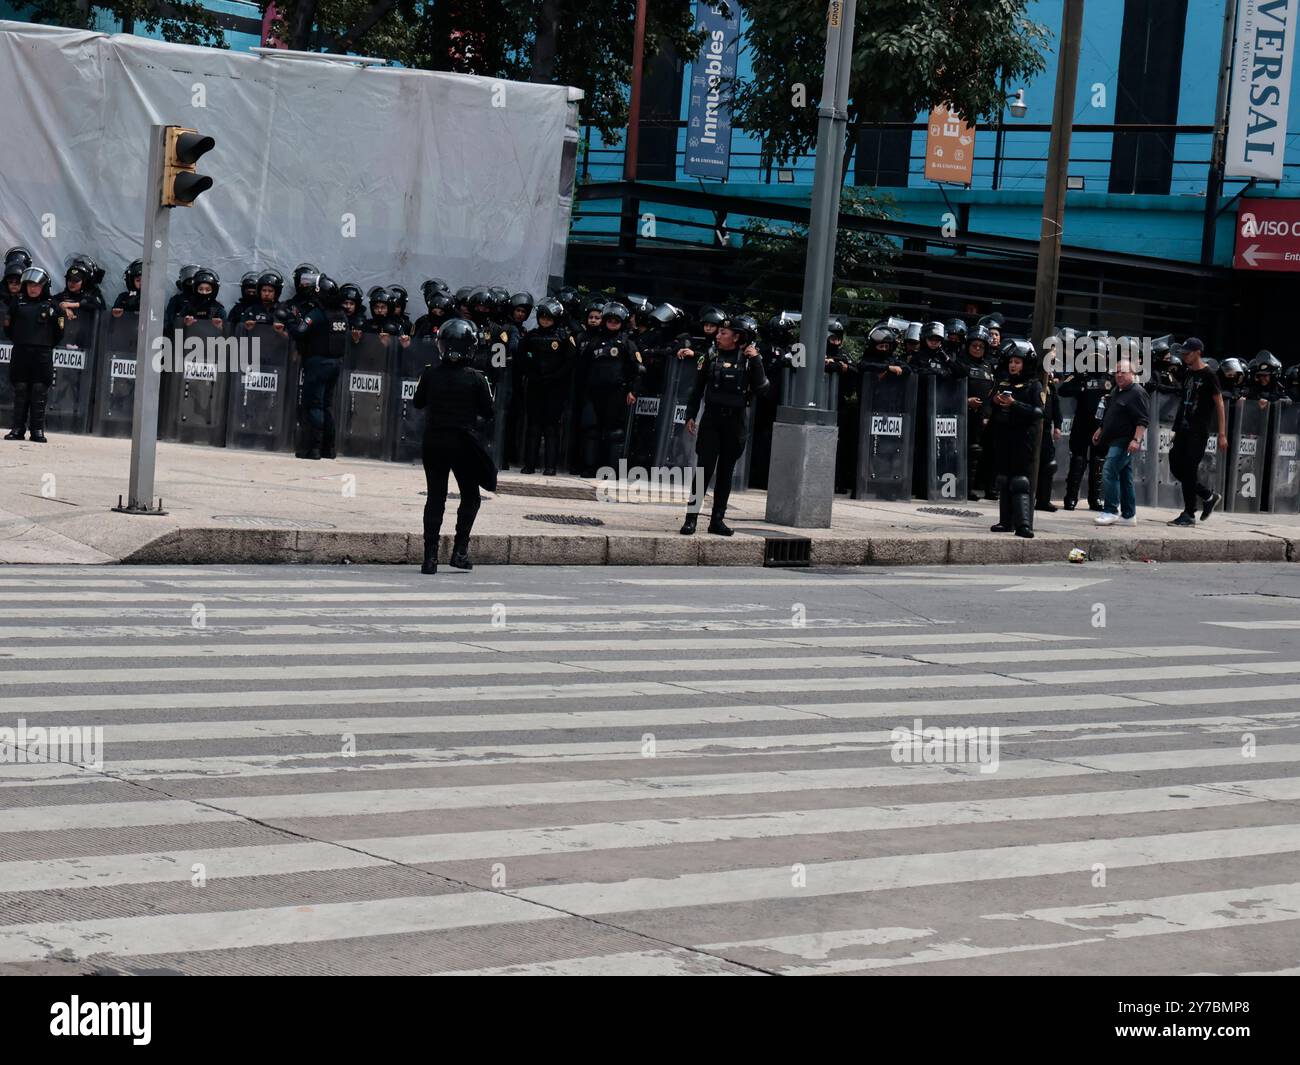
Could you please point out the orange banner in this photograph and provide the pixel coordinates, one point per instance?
(949, 147)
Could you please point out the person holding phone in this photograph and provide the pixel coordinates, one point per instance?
(1015, 428)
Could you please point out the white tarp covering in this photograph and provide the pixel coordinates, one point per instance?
(377, 175)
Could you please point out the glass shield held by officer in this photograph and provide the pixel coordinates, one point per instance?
(730, 375)
(455, 398)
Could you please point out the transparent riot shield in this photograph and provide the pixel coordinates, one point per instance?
(364, 427)
(115, 390)
(740, 475)
(1168, 490)
(1068, 404)
(678, 448)
(942, 437)
(1247, 441)
(408, 423)
(69, 407)
(641, 430)
(262, 397)
(1213, 471)
(1284, 485)
(195, 387)
(885, 433)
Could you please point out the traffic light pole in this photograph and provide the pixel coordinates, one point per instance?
(801, 476)
(153, 304)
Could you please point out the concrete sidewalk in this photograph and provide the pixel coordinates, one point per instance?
(228, 506)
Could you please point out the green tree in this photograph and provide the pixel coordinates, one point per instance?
(180, 21)
(908, 56)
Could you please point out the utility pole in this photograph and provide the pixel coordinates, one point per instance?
(801, 477)
(1214, 182)
(632, 207)
(171, 182)
(1058, 164)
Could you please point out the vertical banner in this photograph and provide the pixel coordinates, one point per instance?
(949, 147)
(708, 121)
(1260, 81)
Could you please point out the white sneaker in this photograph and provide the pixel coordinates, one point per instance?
(1128, 521)
(1105, 519)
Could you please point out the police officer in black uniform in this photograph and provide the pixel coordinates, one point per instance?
(546, 367)
(267, 309)
(184, 286)
(1265, 379)
(1014, 436)
(17, 260)
(81, 298)
(322, 336)
(35, 327)
(455, 397)
(1291, 379)
(1232, 379)
(975, 364)
(932, 356)
(248, 295)
(1088, 387)
(128, 300)
(201, 304)
(440, 307)
(611, 373)
(729, 376)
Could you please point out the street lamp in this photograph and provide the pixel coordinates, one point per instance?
(1016, 104)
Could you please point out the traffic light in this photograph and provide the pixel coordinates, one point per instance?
(181, 186)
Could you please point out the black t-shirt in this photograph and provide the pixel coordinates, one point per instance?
(1198, 410)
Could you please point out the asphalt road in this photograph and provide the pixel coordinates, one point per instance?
(587, 770)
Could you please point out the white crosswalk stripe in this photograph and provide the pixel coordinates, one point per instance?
(679, 788)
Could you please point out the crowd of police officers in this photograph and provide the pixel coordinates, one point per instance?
(578, 362)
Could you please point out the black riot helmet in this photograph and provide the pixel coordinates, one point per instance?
(835, 329)
(434, 286)
(82, 265)
(882, 335)
(1161, 347)
(1023, 350)
(1265, 364)
(521, 301)
(1232, 371)
(399, 297)
(442, 303)
(982, 336)
(710, 315)
(35, 275)
(461, 295)
(351, 291)
(933, 329)
(666, 315)
(457, 340)
(378, 295)
(1291, 378)
(248, 285)
(615, 310)
(913, 333)
(327, 292)
(18, 252)
(302, 272)
(500, 300)
(185, 279)
(571, 300)
(132, 272)
(956, 331)
(744, 325)
(550, 308)
(15, 264)
(206, 277)
(272, 278)
(639, 305)
(595, 302)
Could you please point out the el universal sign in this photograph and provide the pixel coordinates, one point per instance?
(1261, 88)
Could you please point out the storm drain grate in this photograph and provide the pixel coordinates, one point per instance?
(952, 512)
(255, 521)
(787, 551)
(564, 519)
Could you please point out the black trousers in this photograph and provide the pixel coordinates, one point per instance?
(720, 443)
(545, 405)
(1185, 456)
(30, 365)
(449, 452)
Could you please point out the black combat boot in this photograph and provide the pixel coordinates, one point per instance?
(37, 417)
(688, 526)
(1005, 518)
(22, 394)
(1094, 482)
(720, 528)
(460, 554)
(1073, 477)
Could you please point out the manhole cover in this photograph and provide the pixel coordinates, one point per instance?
(256, 521)
(564, 519)
(952, 512)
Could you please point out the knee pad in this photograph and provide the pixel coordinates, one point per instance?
(1019, 485)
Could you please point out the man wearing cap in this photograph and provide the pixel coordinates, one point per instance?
(1202, 409)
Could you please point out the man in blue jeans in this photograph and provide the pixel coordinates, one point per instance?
(1119, 438)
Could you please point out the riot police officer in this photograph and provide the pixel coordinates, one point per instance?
(201, 304)
(267, 310)
(1232, 379)
(35, 327)
(611, 372)
(184, 286)
(382, 321)
(128, 300)
(354, 306)
(521, 309)
(397, 308)
(1052, 422)
(455, 397)
(1265, 384)
(955, 337)
(80, 295)
(1291, 379)
(305, 278)
(440, 308)
(974, 364)
(709, 318)
(322, 335)
(16, 261)
(1014, 435)
(931, 356)
(249, 296)
(729, 376)
(1088, 387)
(546, 365)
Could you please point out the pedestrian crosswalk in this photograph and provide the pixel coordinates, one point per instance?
(533, 772)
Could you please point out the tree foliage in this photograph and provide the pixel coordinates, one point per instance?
(908, 56)
(180, 21)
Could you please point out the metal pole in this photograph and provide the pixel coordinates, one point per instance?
(153, 302)
(1214, 183)
(832, 118)
(997, 141)
(632, 208)
(1058, 163)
